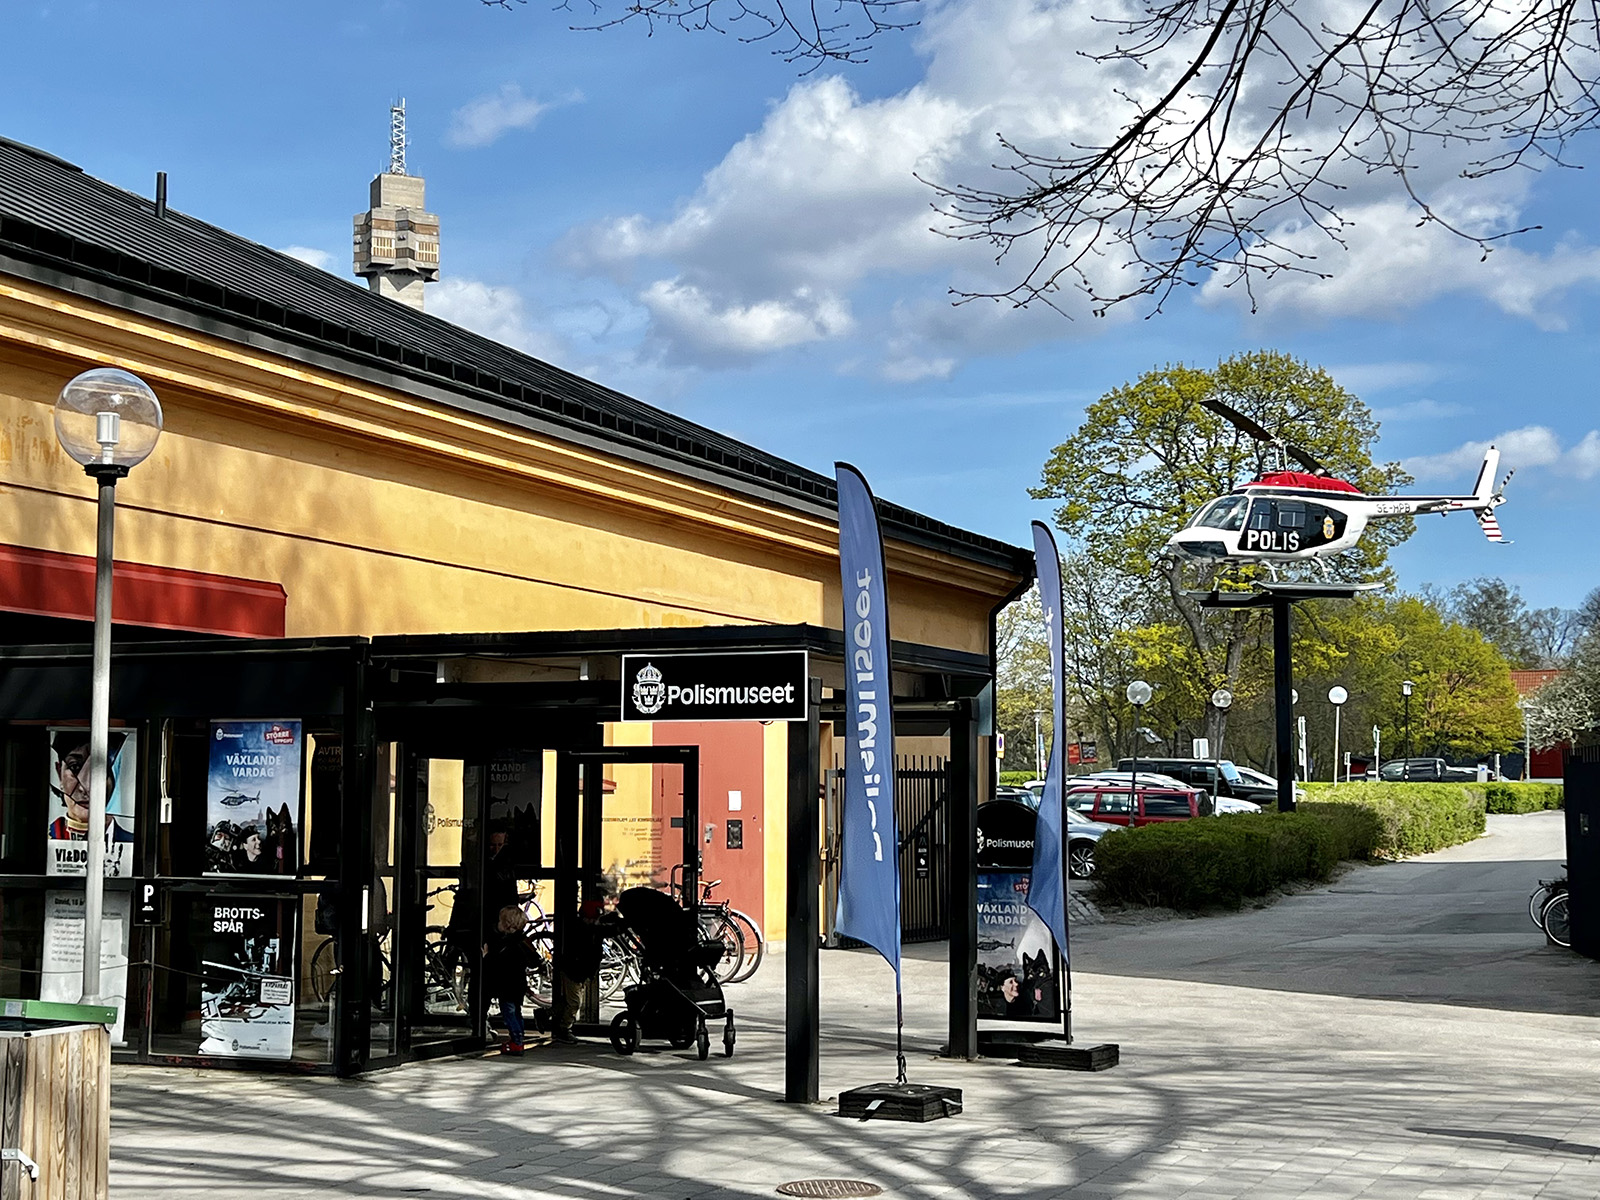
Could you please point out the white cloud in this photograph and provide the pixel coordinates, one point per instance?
(1531, 446)
(823, 199)
(684, 311)
(320, 259)
(1393, 264)
(498, 313)
(483, 121)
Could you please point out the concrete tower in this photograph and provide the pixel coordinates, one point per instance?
(397, 240)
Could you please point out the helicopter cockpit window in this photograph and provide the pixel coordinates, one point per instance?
(1226, 513)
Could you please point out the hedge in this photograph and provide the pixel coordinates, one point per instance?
(1016, 778)
(1212, 861)
(1412, 818)
(1221, 861)
(1523, 797)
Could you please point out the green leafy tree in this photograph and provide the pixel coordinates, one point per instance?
(1147, 456)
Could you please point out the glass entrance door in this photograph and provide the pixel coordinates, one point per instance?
(440, 929)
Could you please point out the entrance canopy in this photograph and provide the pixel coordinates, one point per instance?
(383, 858)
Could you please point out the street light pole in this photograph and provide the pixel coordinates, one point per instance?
(108, 422)
(1405, 766)
(1336, 697)
(1221, 700)
(1138, 693)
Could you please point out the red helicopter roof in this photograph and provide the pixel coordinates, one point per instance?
(1304, 479)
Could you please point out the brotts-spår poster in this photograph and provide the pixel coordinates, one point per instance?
(253, 798)
(247, 978)
(68, 850)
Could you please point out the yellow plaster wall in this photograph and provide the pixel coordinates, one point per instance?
(380, 513)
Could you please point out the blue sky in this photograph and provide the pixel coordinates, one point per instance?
(695, 222)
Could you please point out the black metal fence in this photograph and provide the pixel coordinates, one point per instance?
(922, 813)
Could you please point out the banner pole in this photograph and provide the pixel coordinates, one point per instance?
(899, 1033)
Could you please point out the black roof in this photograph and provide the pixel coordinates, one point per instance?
(72, 231)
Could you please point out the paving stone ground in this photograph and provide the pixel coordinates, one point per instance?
(1402, 1032)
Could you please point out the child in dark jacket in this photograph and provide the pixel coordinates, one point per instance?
(507, 959)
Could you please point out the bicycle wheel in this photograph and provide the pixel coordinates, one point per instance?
(716, 927)
(755, 947)
(1558, 920)
(323, 970)
(616, 966)
(541, 968)
(1536, 902)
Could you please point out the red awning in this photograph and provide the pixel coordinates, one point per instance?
(50, 584)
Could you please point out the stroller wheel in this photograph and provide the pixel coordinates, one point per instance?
(624, 1033)
(703, 1042)
(727, 1039)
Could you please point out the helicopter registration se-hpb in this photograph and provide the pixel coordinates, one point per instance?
(1288, 516)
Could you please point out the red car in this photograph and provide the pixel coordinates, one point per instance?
(1108, 802)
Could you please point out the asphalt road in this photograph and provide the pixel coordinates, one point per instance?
(1446, 928)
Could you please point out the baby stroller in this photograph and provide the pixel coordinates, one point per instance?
(678, 992)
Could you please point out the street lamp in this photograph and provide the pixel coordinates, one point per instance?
(1336, 697)
(108, 421)
(1405, 766)
(1222, 701)
(1138, 694)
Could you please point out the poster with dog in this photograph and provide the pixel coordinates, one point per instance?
(253, 798)
(68, 852)
(247, 978)
(1016, 963)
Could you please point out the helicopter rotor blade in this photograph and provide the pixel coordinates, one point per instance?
(1304, 459)
(1238, 420)
(1243, 423)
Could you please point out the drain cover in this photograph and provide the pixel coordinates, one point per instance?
(830, 1187)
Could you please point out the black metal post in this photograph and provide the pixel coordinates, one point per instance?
(1283, 689)
(352, 1014)
(802, 1035)
(963, 883)
(564, 905)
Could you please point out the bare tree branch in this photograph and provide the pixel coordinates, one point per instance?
(800, 30)
(1271, 111)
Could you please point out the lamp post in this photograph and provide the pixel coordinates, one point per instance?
(1527, 741)
(1138, 694)
(1405, 766)
(1336, 697)
(1222, 701)
(1038, 746)
(108, 422)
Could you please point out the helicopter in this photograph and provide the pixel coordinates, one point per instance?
(1288, 515)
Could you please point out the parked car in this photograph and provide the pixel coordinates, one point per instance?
(1082, 835)
(1263, 788)
(1020, 795)
(1232, 796)
(1109, 802)
(1425, 770)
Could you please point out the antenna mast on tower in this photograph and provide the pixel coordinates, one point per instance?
(397, 138)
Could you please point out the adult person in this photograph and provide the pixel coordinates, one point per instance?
(71, 748)
(580, 962)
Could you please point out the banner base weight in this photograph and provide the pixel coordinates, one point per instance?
(900, 1102)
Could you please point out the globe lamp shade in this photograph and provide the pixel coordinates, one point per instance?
(1139, 692)
(1337, 695)
(108, 418)
(1222, 698)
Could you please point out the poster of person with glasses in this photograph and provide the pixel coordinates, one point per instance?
(69, 802)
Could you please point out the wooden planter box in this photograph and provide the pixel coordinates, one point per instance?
(55, 1107)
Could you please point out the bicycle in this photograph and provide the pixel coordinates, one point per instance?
(753, 945)
(721, 922)
(1547, 890)
(1557, 920)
